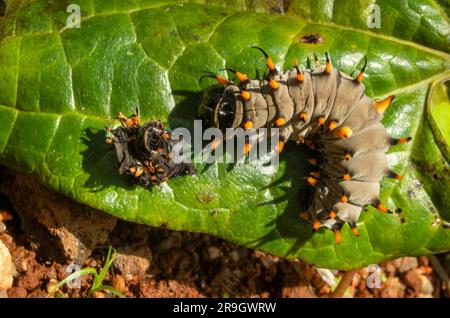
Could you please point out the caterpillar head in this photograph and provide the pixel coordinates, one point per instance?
(221, 107)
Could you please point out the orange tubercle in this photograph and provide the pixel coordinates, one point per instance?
(273, 84)
(248, 125)
(280, 146)
(270, 63)
(360, 76)
(343, 132)
(332, 125)
(311, 181)
(337, 236)
(241, 76)
(135, 120)
(344, 199)
(382, 208)
(246, 95)
(138, 172)
(403, 140)
(355, 231)
(280, 122)
(328, 65)
(247, 148)
(321, 121)
(222, 80)
(303, 116)
(332, 214)
(382, 105)
(316, 225)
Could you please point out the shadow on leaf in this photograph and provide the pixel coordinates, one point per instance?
(100, 161)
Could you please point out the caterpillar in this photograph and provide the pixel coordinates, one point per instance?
(326, 110)
(144, 151)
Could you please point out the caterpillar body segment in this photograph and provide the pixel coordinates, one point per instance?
(328, 111)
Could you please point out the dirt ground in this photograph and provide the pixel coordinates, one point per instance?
(182, 264)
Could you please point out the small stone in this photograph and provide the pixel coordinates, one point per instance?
(30, 280)
(390, 269)
(17, 292)
(5, 216)
(6, 268)
(134, 260)
(234, 255)
(214, 252)
(51, 286)
(268, 260)
(23, 259)
(407, 263)
(299, 291)
(23, 265)
(424, 261)
(7, 240)
(427, 287)
(413, 279)
(394, 288)
(2, 227)
(99, 294)
(119, 283)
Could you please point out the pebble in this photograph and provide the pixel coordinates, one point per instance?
(134, 260)
(214, 252)
(5, 216)
(407, 263)
(51, 286)
(6, 268)
(17, 292)
(2, 227)
(119, 283)
(268, 261)
(427, 287)
(234, 255)
(99, 294)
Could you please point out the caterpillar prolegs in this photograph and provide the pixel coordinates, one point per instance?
(328, 111)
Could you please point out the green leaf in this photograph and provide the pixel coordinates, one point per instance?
(60, 86)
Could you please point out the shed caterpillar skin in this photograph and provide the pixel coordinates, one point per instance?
(144, 151)
(328, 111)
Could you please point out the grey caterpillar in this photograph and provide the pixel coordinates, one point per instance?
(328, 111)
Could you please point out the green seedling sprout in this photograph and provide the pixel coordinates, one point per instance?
(97, 284)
